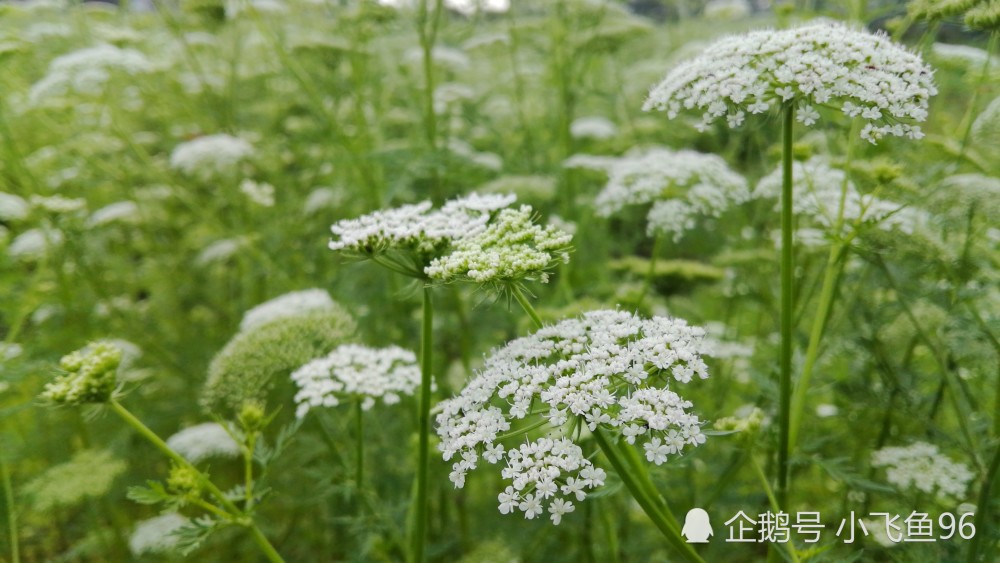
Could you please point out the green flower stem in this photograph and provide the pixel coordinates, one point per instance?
(983, 516)
(792, 552)
(359, 472)
(834, 266)
(8, 497)
(526, 305)
(428, 22)
(640, 486)
(248, 471)
(787, 293)
(970, 119)
(650, 272)
(242, 519)
(418, 516)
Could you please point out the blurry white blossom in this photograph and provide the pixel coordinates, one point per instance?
(608, 369)
(825, 64)
(727, 9)
(210, 156)
(682, 185)
(87, 71)
(155, 535)
(598, 128)
(12, 207)
(120, 211)
(220, 251)
(819, 188)
(921, 466)
(58, 204)
(260, 193)
(33, 244)
(288, 305)
(202, 441)
(355, 372)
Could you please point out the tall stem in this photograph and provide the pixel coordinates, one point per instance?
(644, 492)
(650, 272)
(983, 516)
(787, 289)
(526, 305)
(359, 473)
(418, 516)
(262, 541)
(8, 497)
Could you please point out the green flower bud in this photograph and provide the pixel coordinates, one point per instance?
(184, 481)
(89, 378)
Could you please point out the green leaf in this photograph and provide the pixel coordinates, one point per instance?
(155, 493)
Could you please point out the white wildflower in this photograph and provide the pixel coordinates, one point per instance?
(682, 185)
(826, 64)
(598, 128)
(356, 372)
(202, 441)
(965, 55)
(819, 189)
(120, 211)
(322, 198)
(210, 156)
(417, 227)
(609, 369)
(12, 207)
(511, 248)
(219, 251)
(288, 305)
(921, 466)
(726, 9)
(260, 193)
(58, 204)
(155, 535)
(87, 71)
(33, 244)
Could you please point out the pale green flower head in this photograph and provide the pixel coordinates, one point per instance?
(89, 375)
(89, 474)
(246, 368)
(513, 248)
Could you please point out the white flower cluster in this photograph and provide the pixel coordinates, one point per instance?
(921, 466)
(596, 127)
(681, 184)
(203, 441)
(86, 72)
(417, 227)
(511, 248)
(607, 369)
(358, 372)
(34, 244)
(290, 304)
(119, 211)
(12, 207)
(210, 156)
(818, 189)
(825, 64)
(536, 470)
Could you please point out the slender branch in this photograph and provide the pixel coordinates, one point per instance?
(359, 419)
(8, 497)
(787, 293)
(983, 515)
(526, 305)
(792, 553)
(418, 521)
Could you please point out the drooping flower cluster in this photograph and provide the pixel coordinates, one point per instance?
(608, 369)
(210, 156)
(417, 227)
(511, 248)
(820, 64)
(87, 71)
(202, 441)
(89, 375)
(356, 372)
(921, 466)
(682, 185)
(819, 187)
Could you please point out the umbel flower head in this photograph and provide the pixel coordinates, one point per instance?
(681, 185)
(820, 186)
(202, 441)
(89, 375)
(512, 248)
(356, 372)
(922, 467)
(473, 238)
(827, 64)
(608, 369)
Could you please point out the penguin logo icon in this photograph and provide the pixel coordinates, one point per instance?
(697, 527)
